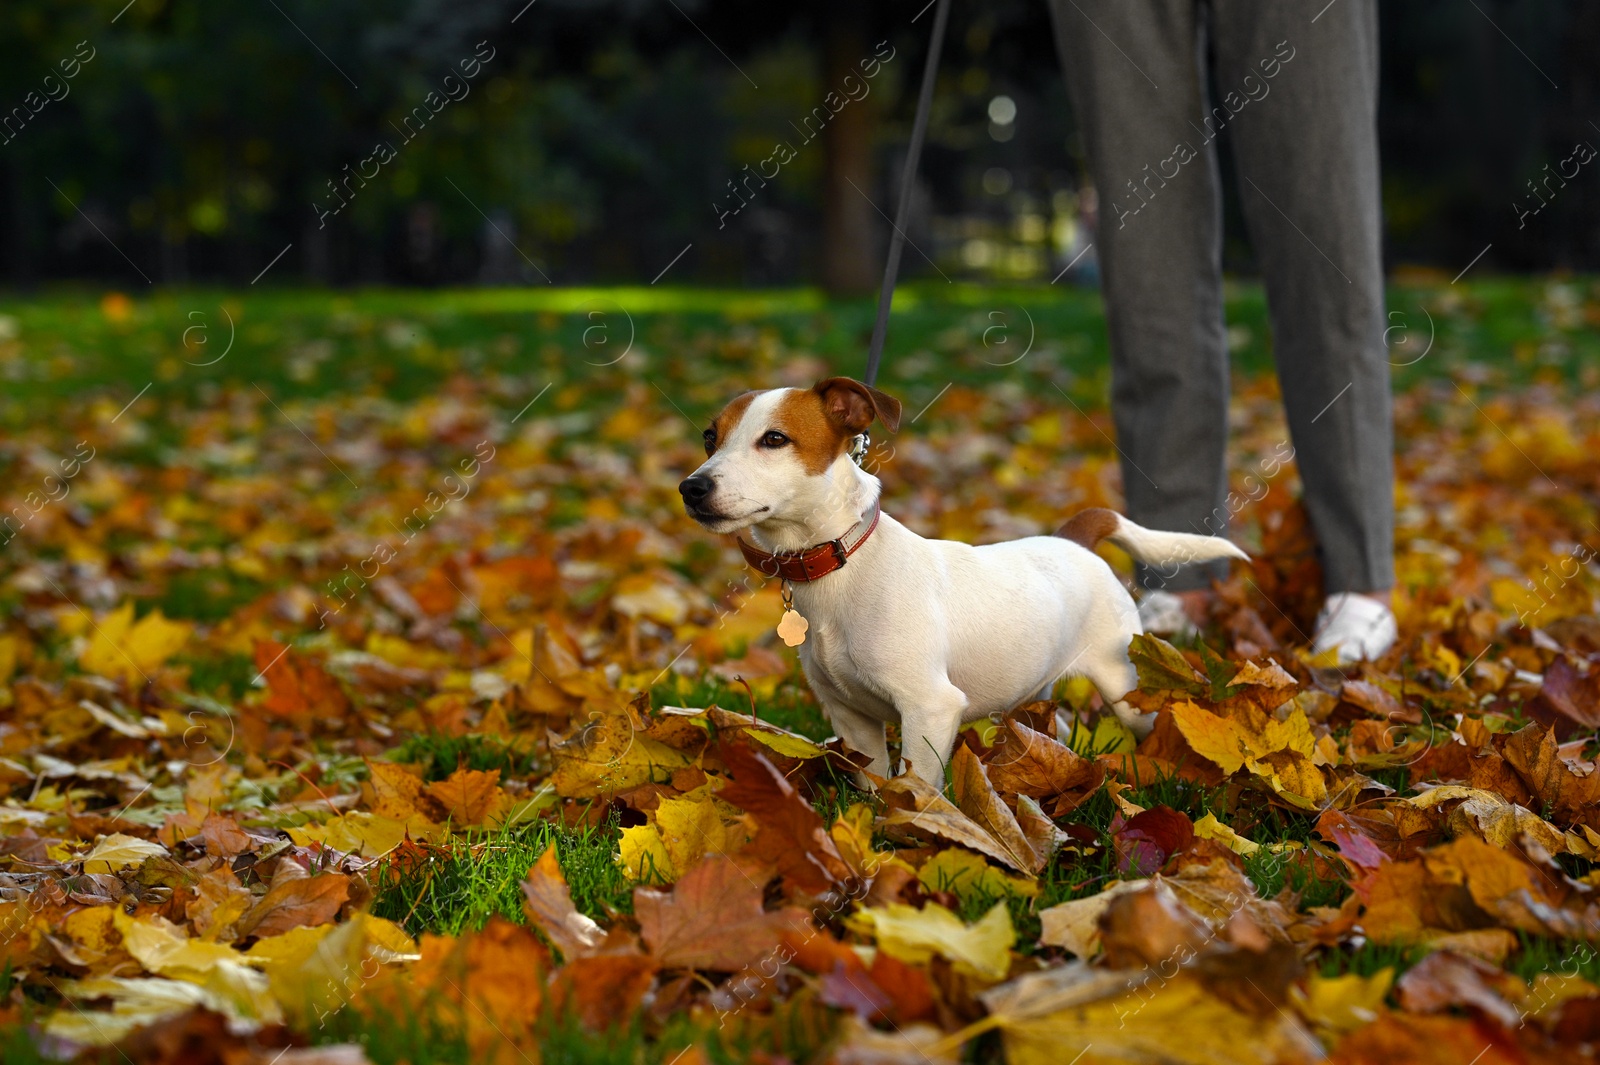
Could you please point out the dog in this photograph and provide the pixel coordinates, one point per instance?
(931, 634)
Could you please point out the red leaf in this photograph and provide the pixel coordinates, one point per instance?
(1145, 841)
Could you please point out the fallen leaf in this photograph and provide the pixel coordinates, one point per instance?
(712, 918)
(468, 796)
(289, 904)
(786, 831)
(548, 902)
(1080, 1013)
(129, 650)
(916, 810)
(118, 851)
(976, 798)
(914, 936)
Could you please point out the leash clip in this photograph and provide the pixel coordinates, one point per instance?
(859, 446)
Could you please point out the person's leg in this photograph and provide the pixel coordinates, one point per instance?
(1305, 140)
(1133, 72)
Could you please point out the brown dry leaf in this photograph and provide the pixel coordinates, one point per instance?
(976, 798)
(1572, 689)
(223, 837)
(1532, 752)
(611, 752)
(1078, 1013)
(788, 833)
(1027, 762)
(494, 979)
(219, 902)
(600, 988)
(1487, 814)
(548, 903)
(1150, 928)
(394, 790)
(917, 810)
(468, 796)
(1445, 980)
(712, 918)
(1399, 1037)
(311, 900)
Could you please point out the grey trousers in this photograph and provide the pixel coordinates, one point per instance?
(1298, 98)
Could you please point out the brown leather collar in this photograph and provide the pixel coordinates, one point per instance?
(810, 564)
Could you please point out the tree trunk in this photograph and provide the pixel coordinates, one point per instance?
(850, 224)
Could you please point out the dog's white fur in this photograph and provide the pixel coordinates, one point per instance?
(931, 633)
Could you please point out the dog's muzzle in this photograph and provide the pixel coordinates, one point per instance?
(695, 491)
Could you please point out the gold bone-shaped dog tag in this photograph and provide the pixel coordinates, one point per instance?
(792, 628)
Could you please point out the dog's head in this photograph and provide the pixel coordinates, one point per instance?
(775, 456)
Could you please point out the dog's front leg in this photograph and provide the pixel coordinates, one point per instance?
(863, 733)
(928, 726)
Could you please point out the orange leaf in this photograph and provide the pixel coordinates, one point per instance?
(468, 795)
(311, 900)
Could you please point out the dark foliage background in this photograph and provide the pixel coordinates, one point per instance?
(593, 145)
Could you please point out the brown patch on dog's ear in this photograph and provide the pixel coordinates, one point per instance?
(854, 405)
(1088, 527)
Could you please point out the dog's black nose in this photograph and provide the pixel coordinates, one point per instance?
(695, 489)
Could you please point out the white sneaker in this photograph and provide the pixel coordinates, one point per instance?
(1356, 626)
(1161, 613)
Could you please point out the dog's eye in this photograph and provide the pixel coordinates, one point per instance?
(773, 438)
(710, 437)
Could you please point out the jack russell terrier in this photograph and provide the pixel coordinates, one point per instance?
(894, 627)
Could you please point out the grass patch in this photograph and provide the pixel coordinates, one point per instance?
(432, 1034)
(1536, 955)
(790, 706)
(1273, 871)
(205, 594)
(220, 674)
(1370, 958)
(440, 755)
(477, 876)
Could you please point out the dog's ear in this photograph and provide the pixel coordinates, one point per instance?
(854, 404)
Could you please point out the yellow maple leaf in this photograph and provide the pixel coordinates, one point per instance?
(642, 853)
(1284, 752)
(1339, 1004)
(691, 829)
(367, 834)
(914, 936)
(969, 876)
(124, 649)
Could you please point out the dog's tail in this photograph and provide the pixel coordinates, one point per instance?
(1153, 548)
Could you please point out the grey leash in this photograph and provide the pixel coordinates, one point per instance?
(908, 180)
(897, 240)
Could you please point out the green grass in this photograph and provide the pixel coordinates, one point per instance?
(204, 595)
(480, 876)
(1273, 871)
(220, 674)
(431, 1034)
(1370, 958)
(440, 755)
(403, 343)
(1536, 955)
(796, 1029)
(791, 706)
